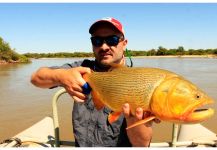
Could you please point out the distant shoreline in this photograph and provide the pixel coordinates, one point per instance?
(2, 62)
(162, 56)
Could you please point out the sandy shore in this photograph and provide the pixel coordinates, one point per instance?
(3, 62)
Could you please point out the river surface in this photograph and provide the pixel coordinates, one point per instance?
(22, 104)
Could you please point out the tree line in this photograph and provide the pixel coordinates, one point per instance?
(161, 51)
(59, 55)
(9, 55)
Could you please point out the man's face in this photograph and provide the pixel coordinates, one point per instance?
(107, 55)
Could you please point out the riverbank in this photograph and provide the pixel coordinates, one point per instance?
(3, 62)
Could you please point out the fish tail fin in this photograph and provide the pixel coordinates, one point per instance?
(113, 117)
(141, 122)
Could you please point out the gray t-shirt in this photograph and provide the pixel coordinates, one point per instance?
(91, 127)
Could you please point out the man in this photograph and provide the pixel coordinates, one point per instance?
(90, 126)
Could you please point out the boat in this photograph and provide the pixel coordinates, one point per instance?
(45, 133)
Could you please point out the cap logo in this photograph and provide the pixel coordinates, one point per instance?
(107, 18)
(111, 20)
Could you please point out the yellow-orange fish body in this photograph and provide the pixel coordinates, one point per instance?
(165, 94)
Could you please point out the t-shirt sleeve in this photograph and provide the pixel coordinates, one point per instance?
(68, 65)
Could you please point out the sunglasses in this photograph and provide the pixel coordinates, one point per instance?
(112, 40)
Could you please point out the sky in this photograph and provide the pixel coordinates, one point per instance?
(63, 27)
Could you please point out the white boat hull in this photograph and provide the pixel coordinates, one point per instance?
(41, 134)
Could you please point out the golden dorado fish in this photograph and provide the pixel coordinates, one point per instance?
(166, 95)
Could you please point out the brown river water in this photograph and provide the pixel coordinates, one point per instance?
(22, 104)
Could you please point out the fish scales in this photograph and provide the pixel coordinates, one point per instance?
(123, 85)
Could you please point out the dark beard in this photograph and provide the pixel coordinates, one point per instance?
(101, 67)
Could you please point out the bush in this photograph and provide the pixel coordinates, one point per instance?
(9, 55)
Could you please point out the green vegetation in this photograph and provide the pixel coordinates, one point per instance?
(58, 55)
(7, 55)
(161, 51)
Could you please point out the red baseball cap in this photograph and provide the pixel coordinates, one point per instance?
(110, 20)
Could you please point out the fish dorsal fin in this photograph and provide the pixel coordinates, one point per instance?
(121, 64)
(113, 117)
(141, 122)
(116, 66)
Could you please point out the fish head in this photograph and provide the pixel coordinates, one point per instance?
(180, 101)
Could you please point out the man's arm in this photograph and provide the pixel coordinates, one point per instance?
(70, 79)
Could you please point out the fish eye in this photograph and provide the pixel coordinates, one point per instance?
(197, 96)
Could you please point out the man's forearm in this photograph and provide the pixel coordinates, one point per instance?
(46, 77)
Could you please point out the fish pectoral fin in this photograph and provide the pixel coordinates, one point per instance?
(113, 117)
(96, 100)
(141, 122)
(85, 76)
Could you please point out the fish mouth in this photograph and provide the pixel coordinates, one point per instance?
(202, 109)
(201, 113)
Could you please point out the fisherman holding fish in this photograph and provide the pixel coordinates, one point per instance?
(91, 126)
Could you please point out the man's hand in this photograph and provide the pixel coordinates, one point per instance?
(140, 135)
(70, 79)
